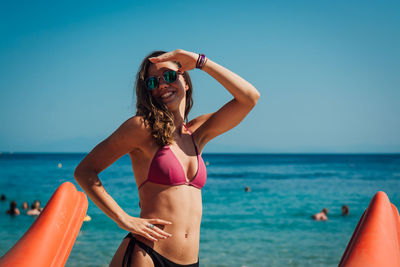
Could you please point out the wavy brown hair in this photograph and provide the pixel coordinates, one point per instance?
(155, 114)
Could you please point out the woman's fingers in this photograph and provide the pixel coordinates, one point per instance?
(149, 237)
(157, 233)
(161, 232)
(164, 57)
(152, 232)
(158, 221)
(186, 59)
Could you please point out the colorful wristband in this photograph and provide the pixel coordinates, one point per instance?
(201, 61)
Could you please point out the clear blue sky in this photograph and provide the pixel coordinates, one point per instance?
(328, 71)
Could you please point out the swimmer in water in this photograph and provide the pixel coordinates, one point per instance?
(321, 216)
(13, 209)
(25, 205)
(345, 210)
(35, 208)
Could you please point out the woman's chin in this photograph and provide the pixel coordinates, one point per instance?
(171, 102)
(172, 97)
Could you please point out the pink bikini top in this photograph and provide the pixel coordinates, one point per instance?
(166, 169)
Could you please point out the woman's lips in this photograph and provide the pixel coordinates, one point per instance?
(166, 96)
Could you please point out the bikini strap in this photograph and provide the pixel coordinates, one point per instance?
(129, 250)
(142, 184)
(191, 134)
(131, 246)
(187, 129)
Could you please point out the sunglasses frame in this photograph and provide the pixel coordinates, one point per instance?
(162, 76)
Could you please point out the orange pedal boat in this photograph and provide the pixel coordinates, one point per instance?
(376, 239)
(48, 242)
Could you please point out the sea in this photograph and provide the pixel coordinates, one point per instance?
(270, 225)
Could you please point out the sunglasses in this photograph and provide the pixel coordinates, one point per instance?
(153, 82)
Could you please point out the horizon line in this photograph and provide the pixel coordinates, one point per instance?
(224, 153)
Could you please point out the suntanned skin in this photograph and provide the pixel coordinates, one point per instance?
(175, 210)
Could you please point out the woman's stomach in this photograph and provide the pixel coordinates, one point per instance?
(180, 205)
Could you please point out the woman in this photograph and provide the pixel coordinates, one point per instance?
(166, 158)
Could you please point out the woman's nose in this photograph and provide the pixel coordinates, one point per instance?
(162, 84)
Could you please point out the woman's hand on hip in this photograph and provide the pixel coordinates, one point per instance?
(187, 59)
(145, 227)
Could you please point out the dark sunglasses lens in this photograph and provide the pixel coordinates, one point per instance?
(170, 76)
(152, 83)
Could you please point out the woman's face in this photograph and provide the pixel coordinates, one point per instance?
(169, 94)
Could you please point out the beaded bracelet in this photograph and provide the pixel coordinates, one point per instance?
(201, 61)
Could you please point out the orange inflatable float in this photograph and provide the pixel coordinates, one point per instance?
(49, 240)
(376, 239)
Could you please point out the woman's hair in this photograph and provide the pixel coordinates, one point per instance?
(155, 114)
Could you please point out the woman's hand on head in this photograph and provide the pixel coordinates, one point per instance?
(141, 227)
(187, 59)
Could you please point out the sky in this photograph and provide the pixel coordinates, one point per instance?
(327, 71)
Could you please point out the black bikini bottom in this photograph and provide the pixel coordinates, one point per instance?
(158, 260)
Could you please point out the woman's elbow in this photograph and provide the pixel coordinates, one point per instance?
(256, 96)
(85, 176)
(80, 173)
(253, 97)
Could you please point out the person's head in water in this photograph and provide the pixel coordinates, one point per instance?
(321, 216)
(25, 205)
(13, 205)
(13, 208)
(35, 205)
(160, 89)
(345, 210)
(3, 197)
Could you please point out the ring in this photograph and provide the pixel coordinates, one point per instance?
(151, 226)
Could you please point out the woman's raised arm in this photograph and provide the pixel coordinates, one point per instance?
(245, 96)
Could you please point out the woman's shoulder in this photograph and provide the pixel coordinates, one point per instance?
(135, 123)
(134, 133)
(134, 127)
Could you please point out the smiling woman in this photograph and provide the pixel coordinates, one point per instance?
(165, 151)
(152, 106)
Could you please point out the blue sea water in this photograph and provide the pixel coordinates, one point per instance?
(269, 226)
